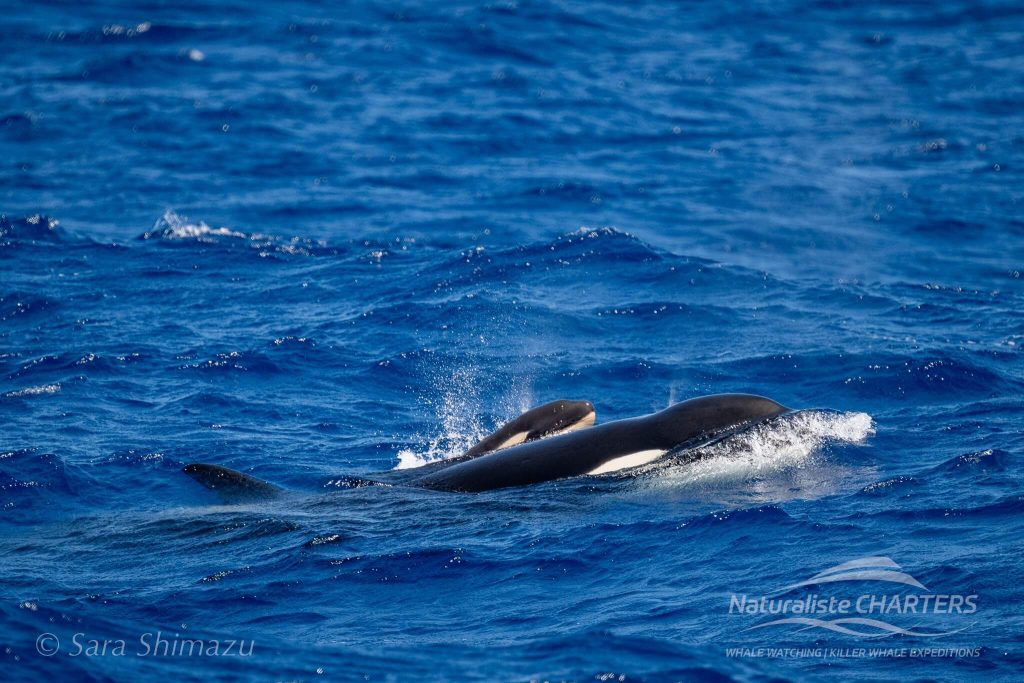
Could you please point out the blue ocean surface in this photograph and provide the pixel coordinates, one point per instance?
(314, 241)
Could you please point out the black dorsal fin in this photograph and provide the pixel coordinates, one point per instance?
(232, 486)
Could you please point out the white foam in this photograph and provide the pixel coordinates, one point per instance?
(789, 443)
(454, 440)
(460, 428)
(458, 410)
(174, 227)
(35, 391)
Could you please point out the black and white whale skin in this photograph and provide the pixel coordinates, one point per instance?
(524, 451)
(549, 419)
(605, 448)
(556, 417)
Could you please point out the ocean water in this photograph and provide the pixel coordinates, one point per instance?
(310, 241)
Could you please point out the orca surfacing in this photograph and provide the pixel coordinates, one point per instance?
(519, 454)
(607, 447)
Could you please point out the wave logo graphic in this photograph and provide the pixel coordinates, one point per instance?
(864, 569)
(863, 615)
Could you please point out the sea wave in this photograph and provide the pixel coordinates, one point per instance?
(34, 391)
(373, 246)
(791, 442)
(174, 228)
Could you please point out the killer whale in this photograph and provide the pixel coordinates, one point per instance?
(556, 417)
(577, 449)
(605, 448)
(550, 419)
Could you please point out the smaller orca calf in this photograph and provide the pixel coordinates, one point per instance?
(551, 419)
(557, 417)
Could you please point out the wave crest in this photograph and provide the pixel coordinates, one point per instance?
(772, 447)
(34, 391)
(172, 227)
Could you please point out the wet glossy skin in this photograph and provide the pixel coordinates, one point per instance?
(583, 451)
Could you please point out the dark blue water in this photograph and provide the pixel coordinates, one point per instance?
(307, 241)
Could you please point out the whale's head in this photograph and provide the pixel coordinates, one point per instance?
(558, 417)
(707, 416)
